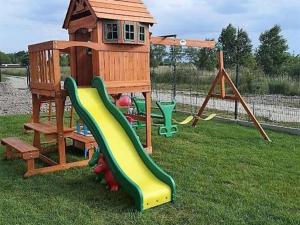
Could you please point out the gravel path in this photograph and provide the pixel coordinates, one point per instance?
(272, 107)
(13, 100)
(15, 97)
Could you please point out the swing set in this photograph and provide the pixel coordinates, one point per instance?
(222, 79)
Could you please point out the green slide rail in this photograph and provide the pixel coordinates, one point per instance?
(131, 187)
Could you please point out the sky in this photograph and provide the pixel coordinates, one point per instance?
(24, 22)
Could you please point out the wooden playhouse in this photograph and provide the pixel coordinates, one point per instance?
(110, 39)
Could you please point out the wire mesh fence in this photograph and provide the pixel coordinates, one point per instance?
(273, 100)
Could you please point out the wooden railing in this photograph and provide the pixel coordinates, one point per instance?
(44, 63)
(44, 69)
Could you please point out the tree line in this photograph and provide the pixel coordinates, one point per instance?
(20, 57)
(271, 56)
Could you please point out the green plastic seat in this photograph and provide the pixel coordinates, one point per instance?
(167, 109)
(167, 129)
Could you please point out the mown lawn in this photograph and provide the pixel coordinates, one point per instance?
(225, 174)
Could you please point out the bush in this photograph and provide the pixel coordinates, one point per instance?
(284, 86)
(253, 81)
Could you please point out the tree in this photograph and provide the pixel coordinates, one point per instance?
(236, 45)
(243, 48)
(272, 52)
(4, 58)
(202, 58)
(228, 39)
(17, 57)
(64, 60)
(157, 55)
(292, 67)
(25, 59)
(175, 54)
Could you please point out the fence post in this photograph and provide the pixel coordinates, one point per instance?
(174, 72)
(0, 73)
(237, 82)
(237, 77)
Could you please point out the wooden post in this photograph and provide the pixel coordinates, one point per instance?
(36, 107)
(148, 122)
(8, 154)
(30, 165)
(50, 111)
(242, 101)
(60, 105)
(71, 117)
(211, 90)
(222, 78)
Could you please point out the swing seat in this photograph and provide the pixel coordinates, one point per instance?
(167, 128)
(167, 108)
(141, 108)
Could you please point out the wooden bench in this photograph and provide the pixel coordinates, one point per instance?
(16, 148)
(88, 143)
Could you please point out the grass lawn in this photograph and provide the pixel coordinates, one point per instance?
(225, 174)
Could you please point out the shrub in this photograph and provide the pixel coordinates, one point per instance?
(253, 81)
(284, 86)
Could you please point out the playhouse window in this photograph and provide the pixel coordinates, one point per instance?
(129, 32)
(142, 34)
(112, 31)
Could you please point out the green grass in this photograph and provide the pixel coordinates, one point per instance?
(225, 174)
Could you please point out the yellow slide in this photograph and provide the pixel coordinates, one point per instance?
(130, 164)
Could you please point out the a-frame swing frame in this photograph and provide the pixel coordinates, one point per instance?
(222, 78)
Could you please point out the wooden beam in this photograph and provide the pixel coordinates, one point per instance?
(47, 160)
(56, 168)
(222, 78)
(227, 97)
(181, 42)
(210, 92)
(247, 109)
(148, 122)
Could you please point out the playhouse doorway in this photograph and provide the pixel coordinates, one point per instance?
(84, 66)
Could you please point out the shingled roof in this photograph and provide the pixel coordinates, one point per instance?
(129, 10)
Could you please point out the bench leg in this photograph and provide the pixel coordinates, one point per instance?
(91, 153)
(30, 165)
(8, 154)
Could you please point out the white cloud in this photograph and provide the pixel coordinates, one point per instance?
(206, 18)
(25, 22)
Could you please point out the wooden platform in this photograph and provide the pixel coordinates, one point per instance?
(46, 128)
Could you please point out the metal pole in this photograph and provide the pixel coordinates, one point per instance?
(174, 72)
(237, 76)
(0, 70)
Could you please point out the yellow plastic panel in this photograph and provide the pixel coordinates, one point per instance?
(155, 192)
